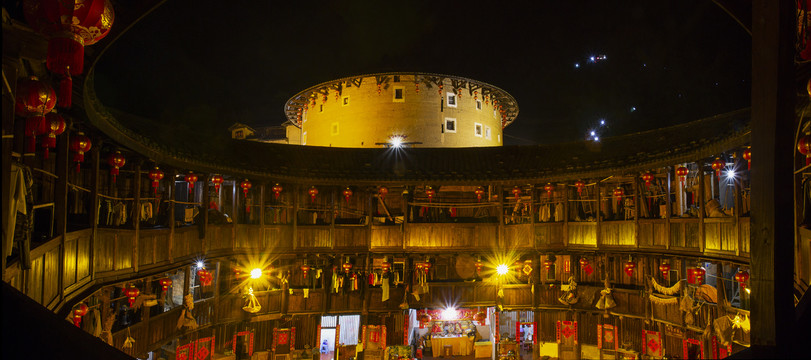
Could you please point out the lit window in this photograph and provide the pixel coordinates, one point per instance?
(499, 138)
(450, 125)
(487, 132)
(345, 101)
(478, 104)
(399, 92)
(334, 129)
(304, 138)
(478, 130)
(451, 100)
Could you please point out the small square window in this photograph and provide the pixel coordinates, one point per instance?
(334, 129)
(399, 94)
(450, 125)
(487, 132)
(478, 130)
(451, 100)
(478, 104)
(345, 101)
(396, 78)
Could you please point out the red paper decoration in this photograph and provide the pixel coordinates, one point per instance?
(480, 316)
(191, 178)
(386, 266)
(78, 312)
(382, 191)
(54, 126)
(131, 293)
(548, 263)
(165, 283)
(347, 266)
(647, 177)
(742, 277)
(549, 188)
(747, 154)
(717, 165)
(664, 269)
(804, 147)
(79, 144)
(479, 193)
(584, 262)
(116, 160)
(156, 175)
(629, 268)
(429, 191)
(579, 184)
(205, 277)
(682, 172)
(217, 180)
(516, 192)
(347, 194)
(426, 266)
(34, 97)
(70, 26)
(313, 192)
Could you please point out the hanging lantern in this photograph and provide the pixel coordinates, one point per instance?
(695, 275)
(205, 277)
(131, 293)
(347, 266)
(584, 262)
(479, 193)
(305, 269)
(78, 312)
(475, 95)
(79, 144)
(313, 192)
(747, 155)
(69, 26)
(417, 87)
(156, 175)
(420, 267)
(116, 160)
(34, 97)
(619, 193)
(479, 265)
(237, 272)
(664, 269)
(629, 267)
(386, 266)
(378, 89)
(54, 126)
(382, 191)
(549, 188)
(165, 283)
(426, 266)
(34, 125)
(459, 93)
(277, 190)
(440, 90)
(742, 277)
(191, 178)
(682, 172)
(579, 184)
(647, 177)
(547, 264)
(516, 192)
(245, 185)
(717, 165)
(217, 180)
(804, 147)
(480, 316)
(347, 194)
(425, 317)
(429, 191)
(700, 272)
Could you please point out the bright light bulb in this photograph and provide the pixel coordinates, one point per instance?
(596, 138)
(602, 122)
(256, 273)
(502, 269)
(593, 133)
(449, 314)
(730, 173)
(200, 264)
(748, 291)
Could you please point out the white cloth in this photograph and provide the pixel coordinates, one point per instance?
(17, 189)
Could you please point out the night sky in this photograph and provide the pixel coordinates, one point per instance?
(199, 67)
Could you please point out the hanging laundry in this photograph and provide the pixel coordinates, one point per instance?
(17, 222)
(385, 287)
(146, 210)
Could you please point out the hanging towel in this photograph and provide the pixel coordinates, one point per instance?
(385, 287)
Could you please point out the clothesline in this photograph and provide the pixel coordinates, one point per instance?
(46, 173)
(125, 199)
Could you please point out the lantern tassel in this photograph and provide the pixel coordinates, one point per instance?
(65, 91)
(32, 145)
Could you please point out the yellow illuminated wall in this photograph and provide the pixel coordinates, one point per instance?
(362, 117)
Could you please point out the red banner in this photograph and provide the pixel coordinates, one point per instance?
(566, 332)
(204, 348)
(184, 352)
(606, 337)
(249, 334)
(653, 343)
(686, 347)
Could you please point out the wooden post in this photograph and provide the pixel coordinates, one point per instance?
(204, 200)
(669, 209)
(9, 73)
(171, 215)
(235, 212)
(136, 215)
(331, 219)
(500, 231)
(701, 204)
(61, 202)
(95, 158)
(599, 214)
(773, 99)
(262, 188)
(565, 218)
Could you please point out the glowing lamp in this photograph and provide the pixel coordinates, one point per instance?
(682, 172)
(547, 264)
(78, 312)
(429, 191)
(277, 190)
(629, 267)
(313, 193)
(165, 283)
(479, 193)
(579, 184)
(131, 293)
(79, 144)
(619, 193)
(647, 177)
(386, 266)
(191, 178)
(804, 147)
(502, 269)
(717, 165)
(382, 191)
(347, 266)
(347, 194)
(584, 262)
(256, 273)
(742, 277)
(664, 269)
(479, 265)
(116, 161)
(449, 314)
(305, 269)
(426, 266)
(549, 188)
(516, 192)
(747, 155)
(245, 185)
(217, 180)
(156, 175)
(54, 126)
(480, 316)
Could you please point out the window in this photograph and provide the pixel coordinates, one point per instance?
(450, 125)
(345, 101)
(451, 100)
(550, 274)
(478, 104)
(239, 134)
(396, 78)
(487, 132)
(478, 130)
(321, 108)
(399, 94)
(334, 129)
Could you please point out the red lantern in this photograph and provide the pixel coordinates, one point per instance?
(131, 293)
(579, 184)
(54, 126)
(305, 269)
(629, 267)
(277, 190)
(420, 266)
(425, 318)
(429, 191)
(480, 316)
(440, 90)
(382, 191)
(665, 269)
(747, 155)
(549, 188)
(717, 165)
(245, 185)
(584, 262)
(191, 178)
(426, 266)
(165, 283)
(34, 97)
(347, 194)
(479, 193)
(70, 26)
(347, 266)
(479, 265)
(156, 175)
(116, 160)
(80, 144)
(619, 193)
(386, 266)
(682, 172)
(417, 88)
(742, 277)
(237, 271)
(516, 192)
(647, 177)
(313, 192)
(217, 180)
(548, 263)
(205, 277)
(804, 147)
(695, 276)
(78, 312)
(34, 125)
